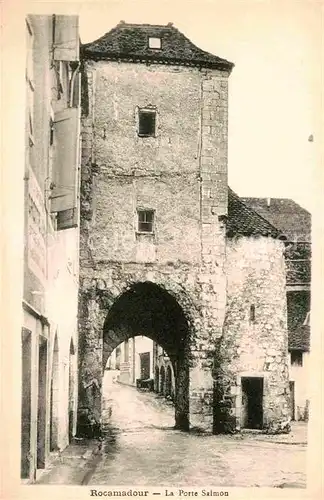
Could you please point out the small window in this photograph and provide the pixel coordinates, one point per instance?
(145, 221)
(252, 313)
(296, 358)
(146, 125)
(154, 42)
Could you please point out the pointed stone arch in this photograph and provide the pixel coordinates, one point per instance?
(125, 310)
(100, 301)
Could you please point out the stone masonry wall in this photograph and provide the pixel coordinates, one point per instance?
(181, 174)
(255, 271)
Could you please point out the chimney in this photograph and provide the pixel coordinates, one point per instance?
(268, 202)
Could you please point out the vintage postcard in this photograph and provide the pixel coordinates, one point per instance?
(162, 261)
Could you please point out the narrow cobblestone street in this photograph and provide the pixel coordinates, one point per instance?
(141, 448)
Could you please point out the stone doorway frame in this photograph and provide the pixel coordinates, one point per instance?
(237, 390)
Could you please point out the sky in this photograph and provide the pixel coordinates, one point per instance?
(274, 88)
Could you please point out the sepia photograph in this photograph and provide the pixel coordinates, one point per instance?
(167, 198)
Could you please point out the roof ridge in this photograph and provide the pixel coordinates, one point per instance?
(264, 198)
(123, 24)
(168, 25)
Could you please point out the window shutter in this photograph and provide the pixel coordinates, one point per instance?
(67, 219)
(65, 160)
(66, 42)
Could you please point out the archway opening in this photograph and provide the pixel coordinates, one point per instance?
(130, 396)
(148, 310)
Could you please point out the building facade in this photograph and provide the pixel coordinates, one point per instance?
(166, 248)
(295, 222)
(50, 293)
(143, 363)
(134, 358)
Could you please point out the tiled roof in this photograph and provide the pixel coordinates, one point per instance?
(130, 42)
(299, 338)
(244, 221)
(286, 215)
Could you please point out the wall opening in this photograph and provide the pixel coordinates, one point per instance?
(26, 404)
(146, 122)
(123, 388)
(252, 402)
(54, 398)
(42, 399)
(252, 313)
(147, 309)
(145, 221)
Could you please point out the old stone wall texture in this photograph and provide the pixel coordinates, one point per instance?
(181, 174)
(256, 348)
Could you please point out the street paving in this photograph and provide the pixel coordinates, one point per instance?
(141, 448)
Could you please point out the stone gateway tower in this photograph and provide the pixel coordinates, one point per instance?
(155, 226)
